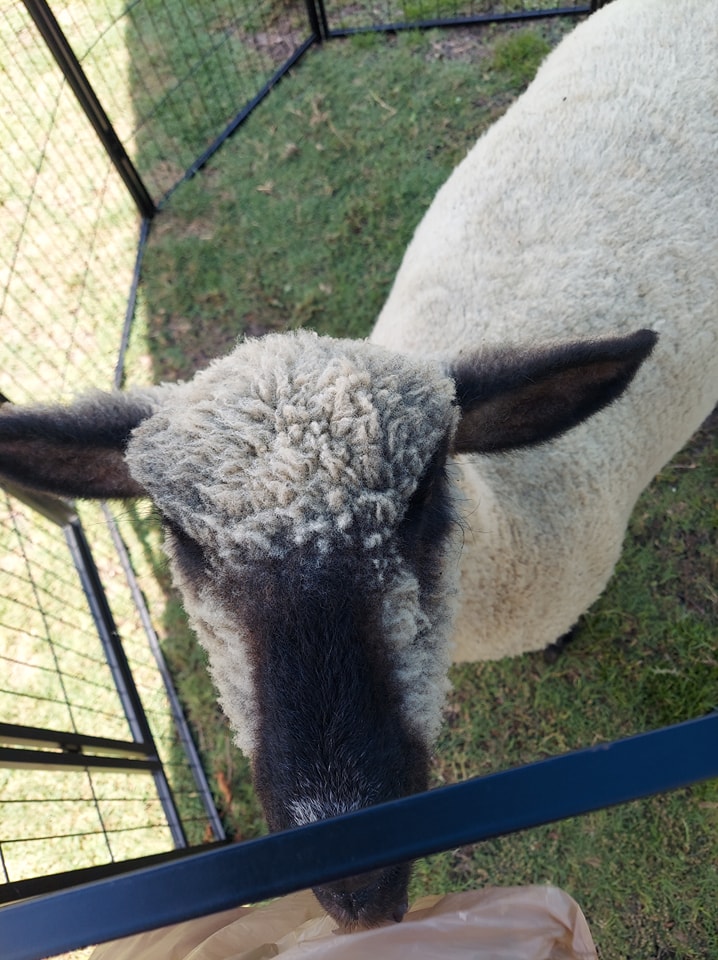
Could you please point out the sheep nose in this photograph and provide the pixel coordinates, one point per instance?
(367, 900)
(362, 908)
(400, 911)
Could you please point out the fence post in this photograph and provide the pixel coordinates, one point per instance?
(120, 669)
(74, 74)
(317, 19)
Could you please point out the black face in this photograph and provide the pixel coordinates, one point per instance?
(429, 517)
(332, 737)
(369, 899)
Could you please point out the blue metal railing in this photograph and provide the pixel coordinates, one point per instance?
(478, 809)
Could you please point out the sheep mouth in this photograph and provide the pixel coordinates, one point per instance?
(368, 900)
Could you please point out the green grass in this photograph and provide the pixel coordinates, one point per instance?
(519, 54)
(418, 11)
(301, 220)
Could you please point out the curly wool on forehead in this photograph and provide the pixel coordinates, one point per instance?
(294, 438)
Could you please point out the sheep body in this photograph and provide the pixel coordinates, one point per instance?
(588, 208)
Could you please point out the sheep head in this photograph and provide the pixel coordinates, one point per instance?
(309, 524)
(302, 481)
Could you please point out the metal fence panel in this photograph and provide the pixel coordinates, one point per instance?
(69, 232)
(74, 790)
(342, 19)
(153, 63)
(67, 256)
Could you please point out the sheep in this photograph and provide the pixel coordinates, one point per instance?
(344, 517)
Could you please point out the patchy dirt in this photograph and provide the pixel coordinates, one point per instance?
(164, 175)
(476, 43)
(470, 44)
(275, 44)
(253, 327)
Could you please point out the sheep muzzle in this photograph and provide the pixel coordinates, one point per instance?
(369, 899)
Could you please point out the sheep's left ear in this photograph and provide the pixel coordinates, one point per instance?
(77, 450)
(510, 400)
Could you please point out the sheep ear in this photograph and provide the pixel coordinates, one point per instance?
(74, 451)
(509, 400)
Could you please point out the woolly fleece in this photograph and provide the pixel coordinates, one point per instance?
(295, 442)
(588, 209)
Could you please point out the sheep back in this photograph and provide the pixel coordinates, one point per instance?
(588, 209)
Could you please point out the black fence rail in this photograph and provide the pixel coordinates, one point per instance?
(96, 761)
(43, 749)
(341, 20)
(205, 61)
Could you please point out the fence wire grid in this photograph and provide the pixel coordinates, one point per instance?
(342, 19)
(155, 63)
(55, 676)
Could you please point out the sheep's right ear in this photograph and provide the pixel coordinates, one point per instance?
(77, 450)
(511, 400)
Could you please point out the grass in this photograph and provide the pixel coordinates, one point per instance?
(301, 221)
(336, 170)
(427, 11)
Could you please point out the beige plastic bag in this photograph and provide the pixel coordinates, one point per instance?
(512, 923)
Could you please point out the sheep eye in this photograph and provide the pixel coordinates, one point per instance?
(188, 553)
(420, 498)
(427, 513)
(430, 484)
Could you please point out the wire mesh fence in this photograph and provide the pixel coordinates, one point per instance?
(63, 683)
(70, 230)
(69, 234)
(56, 677)
(341, 18)
(172, 75)
(68, 249)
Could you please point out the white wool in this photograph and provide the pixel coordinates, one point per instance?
(297, 437)
(308, 809)
(589, 209)
(223, 636)
(421, 652)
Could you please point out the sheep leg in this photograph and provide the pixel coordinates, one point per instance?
(554, 650)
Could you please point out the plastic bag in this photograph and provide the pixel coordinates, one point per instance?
(512, 923)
